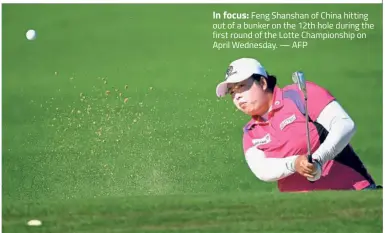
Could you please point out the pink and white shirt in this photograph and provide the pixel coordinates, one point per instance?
(272, 143)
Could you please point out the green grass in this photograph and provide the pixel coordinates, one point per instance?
(240, 212)
(169, 159)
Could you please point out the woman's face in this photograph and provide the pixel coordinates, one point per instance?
(250, 97)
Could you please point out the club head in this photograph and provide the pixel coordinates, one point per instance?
(299, 78)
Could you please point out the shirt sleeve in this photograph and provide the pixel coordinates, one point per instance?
(267, 169)
(341, 129)
(318, 99)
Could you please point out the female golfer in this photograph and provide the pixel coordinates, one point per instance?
(275, 141)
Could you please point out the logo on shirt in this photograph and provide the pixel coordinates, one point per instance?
(287, 121)
(261, 141)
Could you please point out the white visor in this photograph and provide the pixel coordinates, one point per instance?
(238, 71)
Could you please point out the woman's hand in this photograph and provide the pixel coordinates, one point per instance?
(304, 168)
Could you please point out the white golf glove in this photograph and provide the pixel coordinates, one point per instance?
(317, 174)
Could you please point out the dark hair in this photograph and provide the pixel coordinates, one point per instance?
(271, 80)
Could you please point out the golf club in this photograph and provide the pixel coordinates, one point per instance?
(299, 78)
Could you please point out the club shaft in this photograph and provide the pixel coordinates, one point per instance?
(298, 78)
(310, 159)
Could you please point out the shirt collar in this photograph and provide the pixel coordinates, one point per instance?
(277, 103)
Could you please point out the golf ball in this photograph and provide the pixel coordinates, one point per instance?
(31, 34)
(34, 222)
